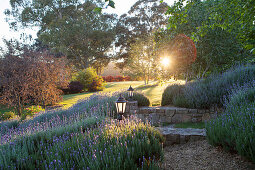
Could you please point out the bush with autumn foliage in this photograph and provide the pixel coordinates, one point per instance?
(29, 77)
(116, 78)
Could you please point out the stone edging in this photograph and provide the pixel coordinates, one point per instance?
(175, 115)
(157, 115)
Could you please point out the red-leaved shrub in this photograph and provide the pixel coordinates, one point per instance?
(116, 78)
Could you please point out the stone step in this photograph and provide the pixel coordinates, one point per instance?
(181, 135)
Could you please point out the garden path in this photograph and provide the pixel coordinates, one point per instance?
(200, 155)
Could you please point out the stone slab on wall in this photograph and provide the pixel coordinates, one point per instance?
(157, 115)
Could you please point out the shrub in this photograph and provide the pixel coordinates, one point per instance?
(119, 78)
(116, 78)
(75, 87)
(140, 98)
(127, 78)
(7, 115)
(235, 129)
(170, 93)
(31, 111)
(96, 85)
(180, 101)
(90, 80)
(108, 78)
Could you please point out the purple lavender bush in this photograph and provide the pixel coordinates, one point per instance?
(235, 129)
(128, 144)
(209, 92)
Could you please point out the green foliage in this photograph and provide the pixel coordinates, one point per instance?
(70, 27)
(200, 125)
(221, 30)
(140, 98)
(7, 115)
(90, 80)
(111, 3)
(180, 101)
(143, 18)
(142, 59)
(128, 144)
(28, 111)
(235, 129)
(170, 93)
(31, 111)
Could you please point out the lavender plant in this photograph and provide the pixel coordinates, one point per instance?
(211, 91)
(96, 106)
(129, 144)
(235, 129)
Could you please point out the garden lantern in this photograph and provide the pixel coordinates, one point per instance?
(130, 92)
(120, 106)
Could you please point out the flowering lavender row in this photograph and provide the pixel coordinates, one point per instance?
(211, 91)
(99, 105)
(128, 144)
(235, 129)
(208, 92)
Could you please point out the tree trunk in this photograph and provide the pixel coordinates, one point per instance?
(145, 81)
(187, 76)
(19, 108)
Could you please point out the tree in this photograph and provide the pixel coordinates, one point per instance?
(70, 27)
(108, 3)
(142, 19)
(143, 59)
(29, 77)
(217, 47)
(182, 52)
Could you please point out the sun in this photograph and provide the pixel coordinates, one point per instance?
(165, 61)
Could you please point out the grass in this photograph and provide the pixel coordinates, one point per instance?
(154, 91)
(199, 125)
(70, 99)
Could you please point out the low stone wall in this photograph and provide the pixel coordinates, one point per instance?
(131, 107)
(171, 115)
(157, 115)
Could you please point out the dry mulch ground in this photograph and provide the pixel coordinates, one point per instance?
(200, 155)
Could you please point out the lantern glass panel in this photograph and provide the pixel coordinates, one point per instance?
(123, 107)
(129, 93)
(117, 107)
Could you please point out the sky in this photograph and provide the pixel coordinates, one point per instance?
(121, 7)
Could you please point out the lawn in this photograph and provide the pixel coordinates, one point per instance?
(153, 91)
(70, 99)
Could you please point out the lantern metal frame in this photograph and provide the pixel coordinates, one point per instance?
(130, 92)
(120, 106)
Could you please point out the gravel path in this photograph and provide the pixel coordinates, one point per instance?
(200, 155)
